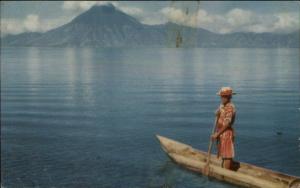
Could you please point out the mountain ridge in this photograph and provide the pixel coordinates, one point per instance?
(106, 26)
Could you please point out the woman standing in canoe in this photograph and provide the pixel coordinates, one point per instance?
(224, 132)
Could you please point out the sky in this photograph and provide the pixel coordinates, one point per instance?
(216, 16)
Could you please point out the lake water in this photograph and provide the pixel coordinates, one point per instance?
(81, 117)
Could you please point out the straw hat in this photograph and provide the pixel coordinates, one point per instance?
(226, 91)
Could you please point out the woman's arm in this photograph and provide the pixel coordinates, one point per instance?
(229, 113)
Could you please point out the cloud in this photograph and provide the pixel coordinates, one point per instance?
(175, 14)
(81, 6)
(134, 11)
(31, 23)
(286, 22)
(84, 5)
(152, 19)
(235, 20)
(200, 18)
(239, 17)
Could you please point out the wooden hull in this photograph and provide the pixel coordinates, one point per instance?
(245, 175)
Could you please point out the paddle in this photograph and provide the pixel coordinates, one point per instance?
(206, 168)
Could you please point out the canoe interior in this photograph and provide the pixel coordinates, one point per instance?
(174, 148)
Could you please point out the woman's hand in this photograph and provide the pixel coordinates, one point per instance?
(217, 112)
(214, 136)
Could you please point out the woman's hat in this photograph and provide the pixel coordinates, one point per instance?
(226, 91)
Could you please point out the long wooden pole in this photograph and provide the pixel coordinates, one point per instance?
(206, 169)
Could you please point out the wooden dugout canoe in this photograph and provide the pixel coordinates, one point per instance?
(245, 175)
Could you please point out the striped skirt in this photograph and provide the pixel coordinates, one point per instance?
(225, 144)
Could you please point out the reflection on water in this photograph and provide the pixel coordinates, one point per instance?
(87, 117)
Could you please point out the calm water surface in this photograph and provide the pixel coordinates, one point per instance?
(80, 117)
